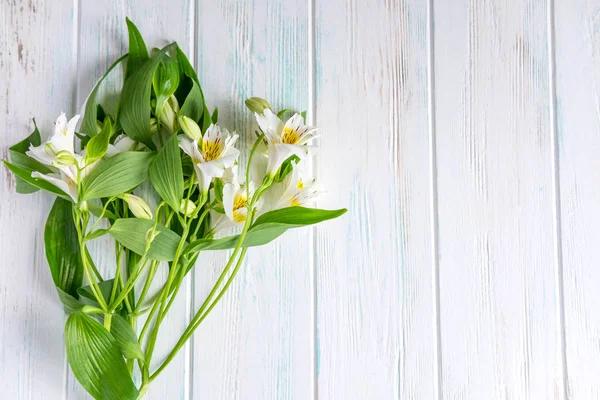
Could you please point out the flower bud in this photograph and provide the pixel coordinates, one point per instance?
(153, 126)
(83, 206)
(63, 159)
(137, 205)
(168, 116)
(257, 105)
(187, 207)
(99, 126)
(190, 128)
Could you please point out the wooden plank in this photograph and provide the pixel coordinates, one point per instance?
(577, 54)
(499, 318)
(256, 344)
(375, 310)
(103, 38)
(36, 65)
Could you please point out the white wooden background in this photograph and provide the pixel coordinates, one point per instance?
(462, 135)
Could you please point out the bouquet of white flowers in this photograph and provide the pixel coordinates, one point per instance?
(163, 132)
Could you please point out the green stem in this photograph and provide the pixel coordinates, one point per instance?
(184, 338)
(149, 279)
(107, 320)
(164, 296)
(138, 269)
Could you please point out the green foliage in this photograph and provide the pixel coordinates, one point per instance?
(25, 175)
(126, 338)
(116, 175)
(268, 227)
(97, 145)
(135, 100)
(96, 361)
(133, 233)
(62, 247)
(20, 159)
(90, 116)
(174, 219)
(166, 174)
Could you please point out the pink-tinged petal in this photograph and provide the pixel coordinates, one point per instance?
(60, 125)
(271, 125)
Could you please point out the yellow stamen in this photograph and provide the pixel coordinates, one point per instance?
(300, 184)
(290, 136)
(211, 150)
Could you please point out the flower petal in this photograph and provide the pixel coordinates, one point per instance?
(229, 191)
(271, 125)
(58, 181)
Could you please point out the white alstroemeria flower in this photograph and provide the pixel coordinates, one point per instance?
(58, 152)
(299, 190)
(212, 156)
(286, 139)
(61, 143)
(235, 202)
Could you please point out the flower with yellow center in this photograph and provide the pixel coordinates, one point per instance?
(298, 190)
(284, 140)
(211, 154)
(58, 152)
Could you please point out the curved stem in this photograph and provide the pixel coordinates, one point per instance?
(184, 338)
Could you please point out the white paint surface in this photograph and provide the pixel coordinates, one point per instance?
(463, 137)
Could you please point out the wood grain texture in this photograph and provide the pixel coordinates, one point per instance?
(499, 324)
(256, 344)
(102, 39)
(577, 49)
(375, 323)
(35, 34)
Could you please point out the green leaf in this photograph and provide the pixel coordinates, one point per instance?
(138, 53)
(96, 210)
(86, 295)
(193, 106)
(268, 227)
(62, 247)
(126, 338)
(186, 67)
(97, 146)
(25, 175)
(165, 81)
(117, 175)
(135, 100)
(281, 113)
(20, 159)
(96, 360)
(166, 174)
(88, 125)
(132, 234)
(70, 303)
(215, 115)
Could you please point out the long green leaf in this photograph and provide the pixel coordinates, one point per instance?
(88, 125)
(138, 52)
(96, 360)
(126, 338)
(62, 247)
(132, 234)
(20, 159)
(193, 106)
(25, 175)
(117, 175)
(70, 303)
(268, 227)
(135, 100)
(166, 174)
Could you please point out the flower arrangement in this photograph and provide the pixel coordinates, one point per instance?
(162, 133)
